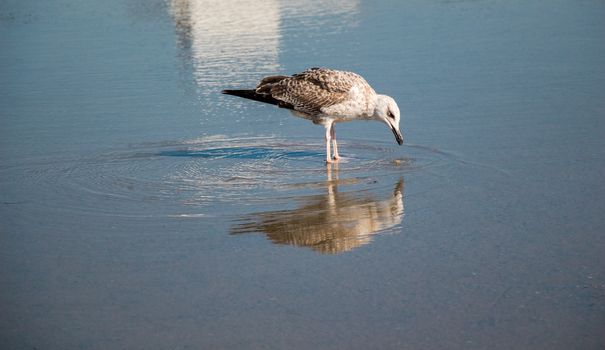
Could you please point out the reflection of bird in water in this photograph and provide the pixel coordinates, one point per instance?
(326, 97)
(329, 223)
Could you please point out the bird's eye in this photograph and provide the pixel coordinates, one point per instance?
(390, 115)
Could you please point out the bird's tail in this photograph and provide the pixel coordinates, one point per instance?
(253, 95)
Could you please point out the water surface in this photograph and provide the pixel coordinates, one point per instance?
(140, 208)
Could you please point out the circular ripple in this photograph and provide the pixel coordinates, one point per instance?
(198, 177)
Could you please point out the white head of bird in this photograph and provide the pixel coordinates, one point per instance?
(387, 111)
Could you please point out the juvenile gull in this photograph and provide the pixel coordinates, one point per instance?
(326, 96)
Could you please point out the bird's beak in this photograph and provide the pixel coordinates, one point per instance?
(398, 135)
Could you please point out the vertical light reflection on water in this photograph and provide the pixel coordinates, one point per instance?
(234, 43)
(228, 40)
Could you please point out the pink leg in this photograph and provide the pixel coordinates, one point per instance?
(328, 138)
(333, 136)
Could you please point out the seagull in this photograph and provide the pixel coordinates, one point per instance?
(326, 97)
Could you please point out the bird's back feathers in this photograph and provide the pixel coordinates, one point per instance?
(308, 92)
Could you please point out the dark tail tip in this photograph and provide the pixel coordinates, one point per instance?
(240, 93)
(252, 95)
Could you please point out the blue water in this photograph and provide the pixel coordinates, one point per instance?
(140, 208)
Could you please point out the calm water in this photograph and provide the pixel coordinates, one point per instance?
(142, 209)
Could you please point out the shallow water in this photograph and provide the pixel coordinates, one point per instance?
(140, 208)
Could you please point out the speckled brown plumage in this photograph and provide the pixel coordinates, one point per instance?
(314, 89)
(327, 96)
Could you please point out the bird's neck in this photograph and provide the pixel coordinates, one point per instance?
(379, 104)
